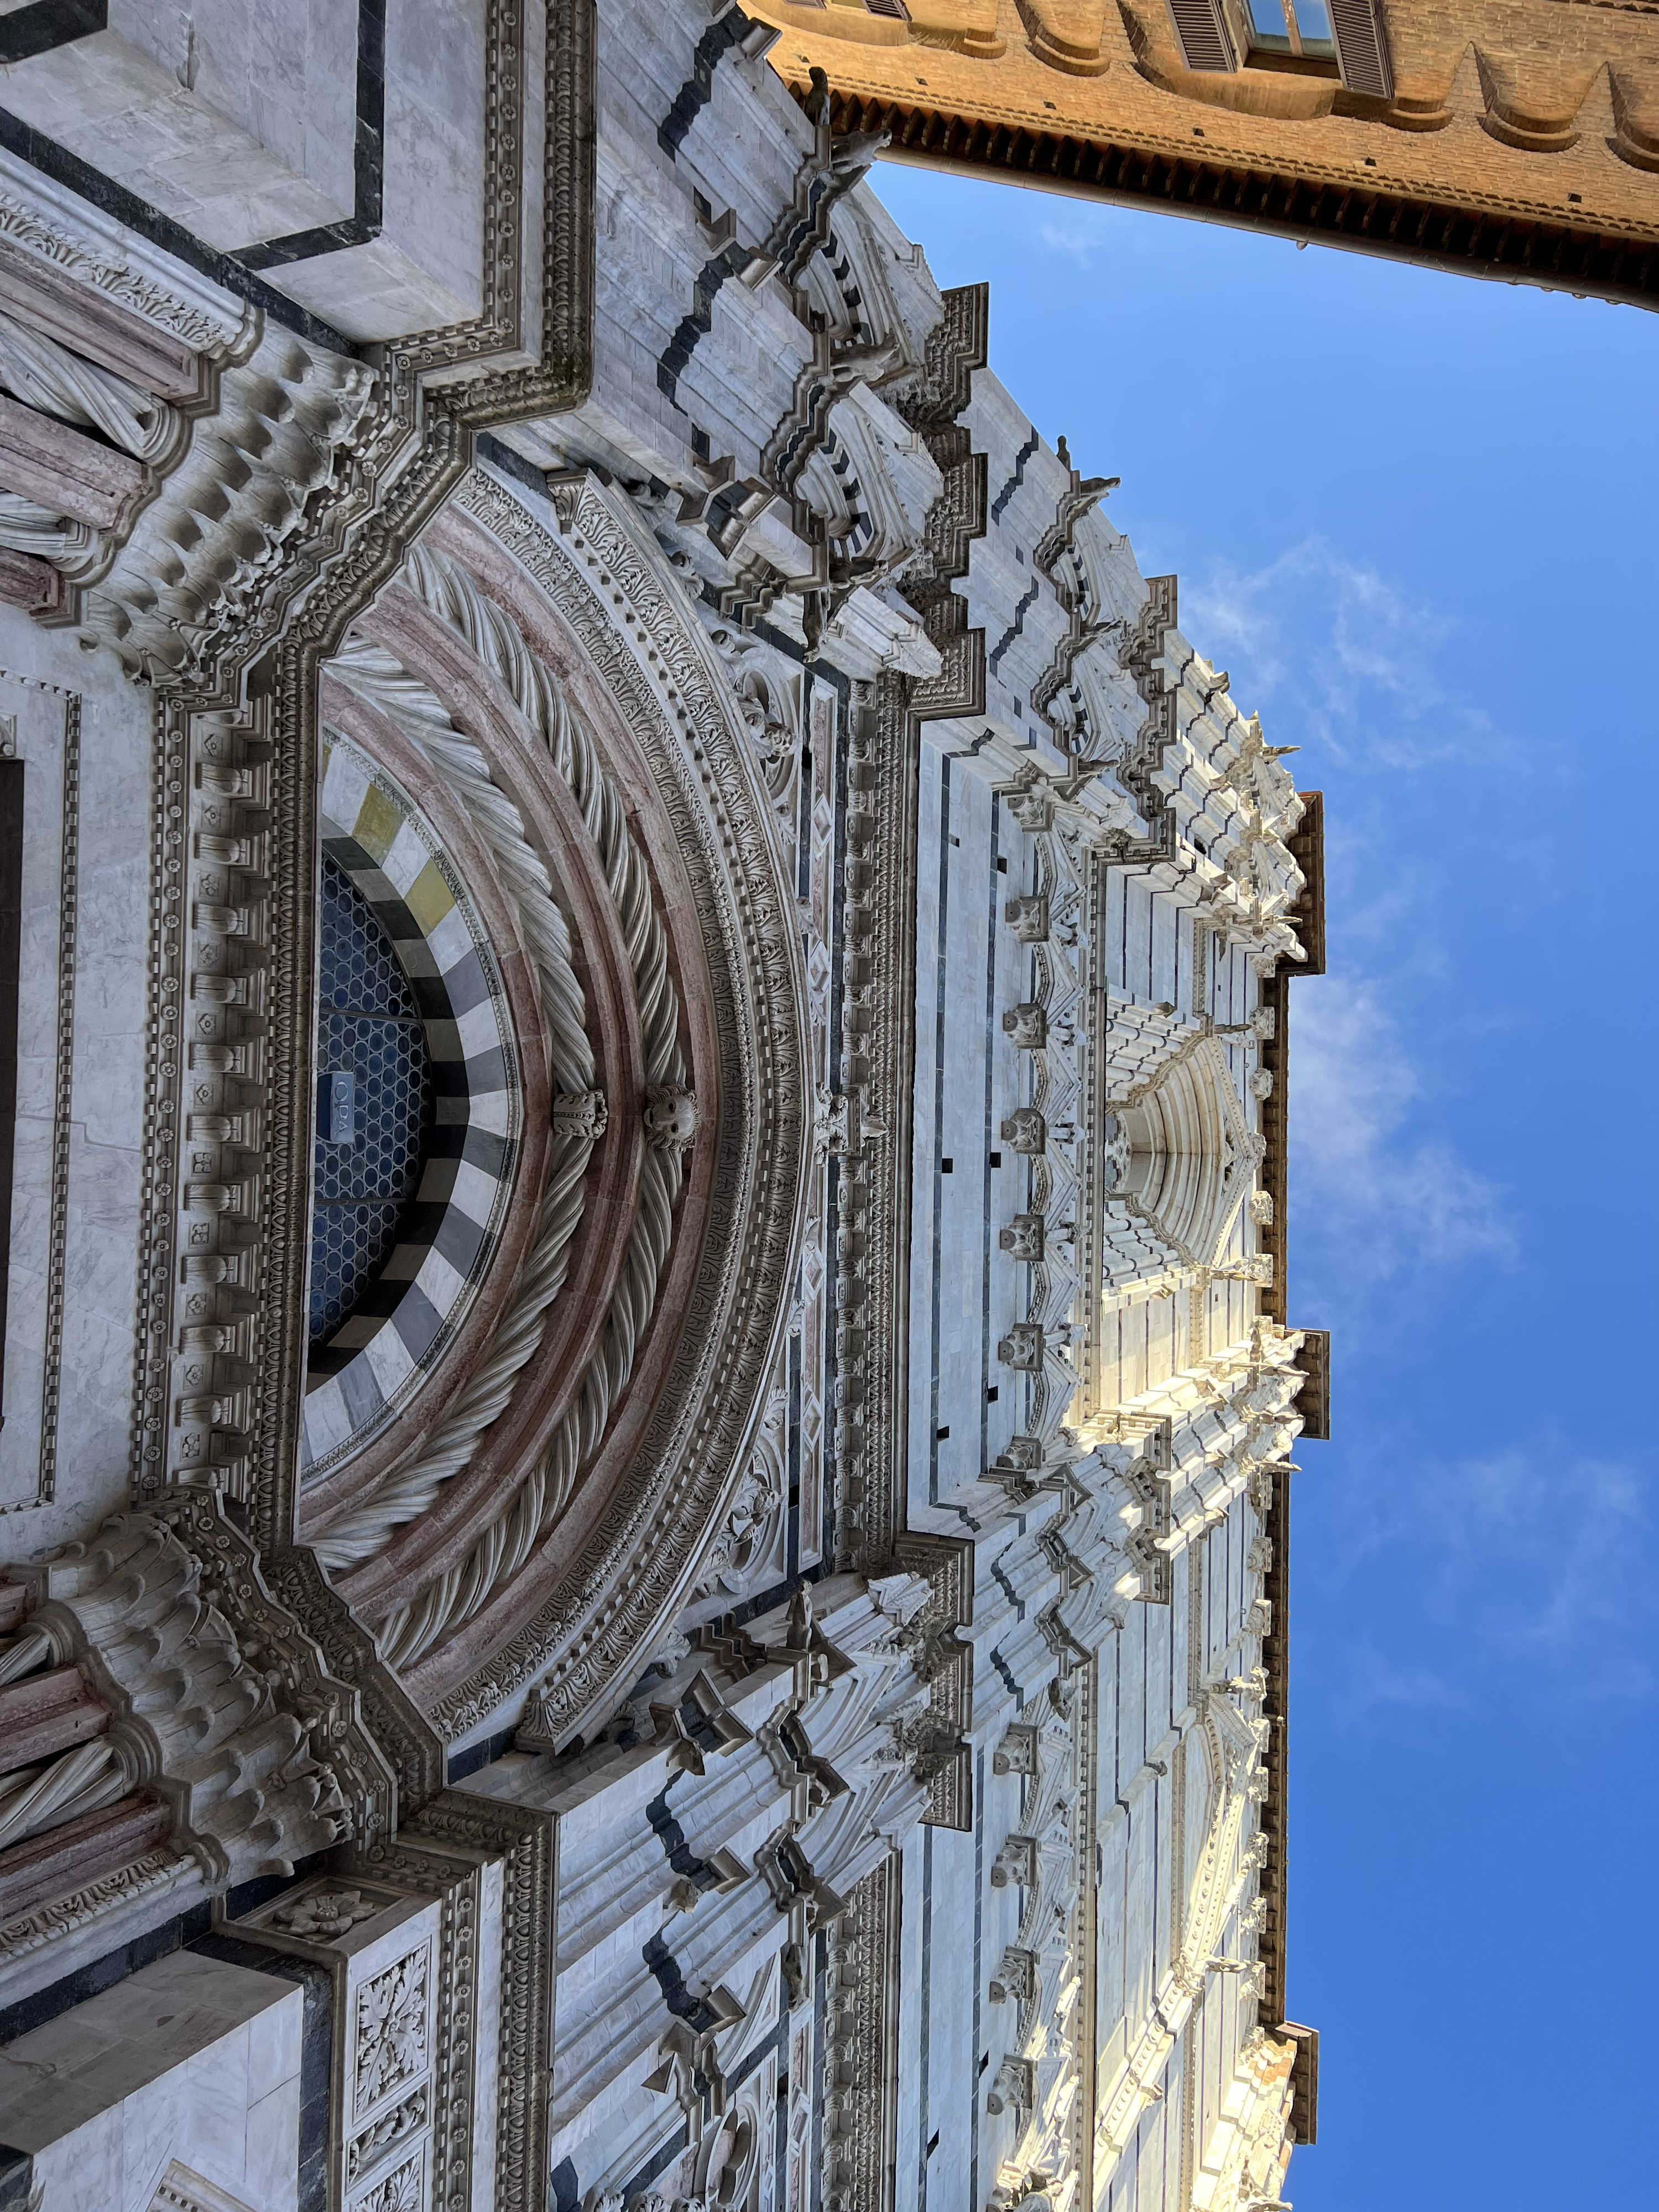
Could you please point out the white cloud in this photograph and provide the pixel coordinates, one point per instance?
(1371, 1680)
(1364, 1191)
(1569, 1530)
(1078, 233)
(1347, 664)
(1078, 237)
(1525, 1572)
(1331, 643)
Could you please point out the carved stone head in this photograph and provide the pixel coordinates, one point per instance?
(1029, 918)
(1023, 1236)
(1017, 1753)
(670, 1117)
(1021, 1346)
(1016, 1862)
(1026, 1130)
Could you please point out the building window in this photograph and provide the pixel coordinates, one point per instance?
(1311, 38)
(1291, 34)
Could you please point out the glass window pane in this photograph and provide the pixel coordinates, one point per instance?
(1313, 20)
(1267, 26)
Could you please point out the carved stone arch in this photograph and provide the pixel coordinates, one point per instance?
(1180, 1159)
(502, 1591)
(460, 953)
(429, 1544)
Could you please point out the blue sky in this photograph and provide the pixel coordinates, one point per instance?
(1413, 515)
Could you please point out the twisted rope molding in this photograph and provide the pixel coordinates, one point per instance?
(380, 677)
(412, 1630)
(45, 375)
(406, 1634)
(465, 1589)
(78, 1782)
(494, 638)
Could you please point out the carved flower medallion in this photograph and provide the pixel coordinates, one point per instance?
(393, 2042)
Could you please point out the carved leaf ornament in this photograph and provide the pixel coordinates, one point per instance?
(393, 2029)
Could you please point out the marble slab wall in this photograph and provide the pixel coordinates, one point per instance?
(189, 2068)
(83, 734)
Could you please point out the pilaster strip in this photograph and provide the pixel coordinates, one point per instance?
(860, 2055)
(525, 1839)
(876, 1073)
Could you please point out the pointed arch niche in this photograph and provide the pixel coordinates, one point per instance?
(1178, 1159)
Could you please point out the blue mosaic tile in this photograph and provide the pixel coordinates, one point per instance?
(349, 1244)
(368, 1026)
(358, 970)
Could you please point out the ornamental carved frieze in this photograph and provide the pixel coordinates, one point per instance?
(860, 2059)
(870, 1193)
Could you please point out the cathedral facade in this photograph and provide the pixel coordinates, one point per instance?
(644, 993)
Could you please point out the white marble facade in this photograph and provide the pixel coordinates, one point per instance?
(189, 2063)
(82, 733)
(886, 918)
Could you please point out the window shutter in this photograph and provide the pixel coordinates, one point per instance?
(1360, 52)
(1201, 29)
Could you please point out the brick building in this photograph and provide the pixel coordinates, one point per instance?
(1512, 139)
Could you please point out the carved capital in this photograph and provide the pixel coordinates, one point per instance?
(262, 1750)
